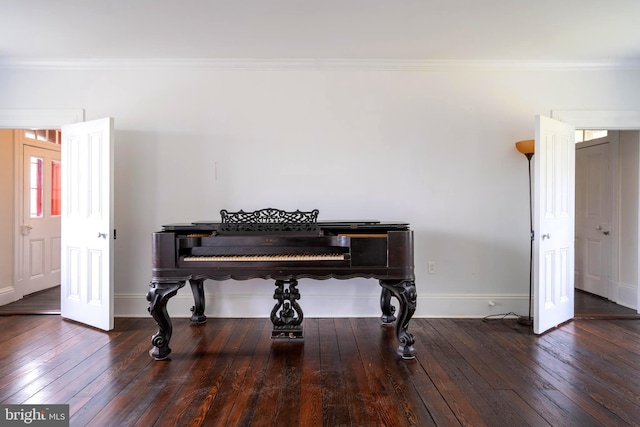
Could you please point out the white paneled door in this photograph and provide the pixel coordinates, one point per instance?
(553, 223)
(40, 226)
(87, 223)
(593, 217)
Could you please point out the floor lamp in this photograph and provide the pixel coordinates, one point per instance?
(526, 147)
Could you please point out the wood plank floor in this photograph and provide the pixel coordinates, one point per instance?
(588, 305)
(43, 302)
(343, 373)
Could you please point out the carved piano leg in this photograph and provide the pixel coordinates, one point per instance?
(386, 307)
(197, 288)
(405, 292)
(286, 315)
(158, 296)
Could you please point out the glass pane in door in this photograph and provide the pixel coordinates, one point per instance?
(56, 189)
(35, 187)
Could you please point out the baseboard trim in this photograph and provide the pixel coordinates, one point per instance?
(260, 305)
(8, 295)
(626, 295)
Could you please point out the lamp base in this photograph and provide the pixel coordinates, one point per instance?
(525, 320)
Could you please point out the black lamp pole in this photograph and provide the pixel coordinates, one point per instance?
(528, 320)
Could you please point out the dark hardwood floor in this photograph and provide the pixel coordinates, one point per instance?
(43, 302)
(343, 373)
(587, 305)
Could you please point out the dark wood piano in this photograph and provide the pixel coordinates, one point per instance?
(283, 246)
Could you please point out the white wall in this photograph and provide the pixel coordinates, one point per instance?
(434, 148)
(629, 154)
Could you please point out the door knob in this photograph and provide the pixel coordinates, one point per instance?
(25, 230)
(546, 236)
(103, 235)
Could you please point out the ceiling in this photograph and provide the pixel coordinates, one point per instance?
(453, 30)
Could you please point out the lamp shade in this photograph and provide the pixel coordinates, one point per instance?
(526, 146)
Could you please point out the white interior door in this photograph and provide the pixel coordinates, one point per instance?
(593, 216)
(553, 223)
(40, 225)
(87, 223)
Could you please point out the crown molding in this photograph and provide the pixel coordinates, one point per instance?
(311, 64)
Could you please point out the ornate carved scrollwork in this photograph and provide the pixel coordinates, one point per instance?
(158, 296)
(197, 289)
(388, 310)
(405, 292)
(268, 220)
(286, 315)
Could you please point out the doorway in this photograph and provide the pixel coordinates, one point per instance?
(37, 207)
(89, 143)
(619, 120)
(11, 118)
(602, 223)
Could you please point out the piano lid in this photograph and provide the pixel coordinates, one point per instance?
(204, 227)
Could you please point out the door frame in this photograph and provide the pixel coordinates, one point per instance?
(25, 119)
(614, 120)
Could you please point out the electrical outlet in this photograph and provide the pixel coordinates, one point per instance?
(431, 267)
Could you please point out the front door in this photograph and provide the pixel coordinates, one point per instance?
(553, 223)
(87, 223)
(40, 225)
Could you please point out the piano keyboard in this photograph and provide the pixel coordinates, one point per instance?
(268, 258)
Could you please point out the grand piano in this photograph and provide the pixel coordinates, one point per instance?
(282, 246)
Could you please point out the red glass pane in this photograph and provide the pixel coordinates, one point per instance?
(56, 188)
